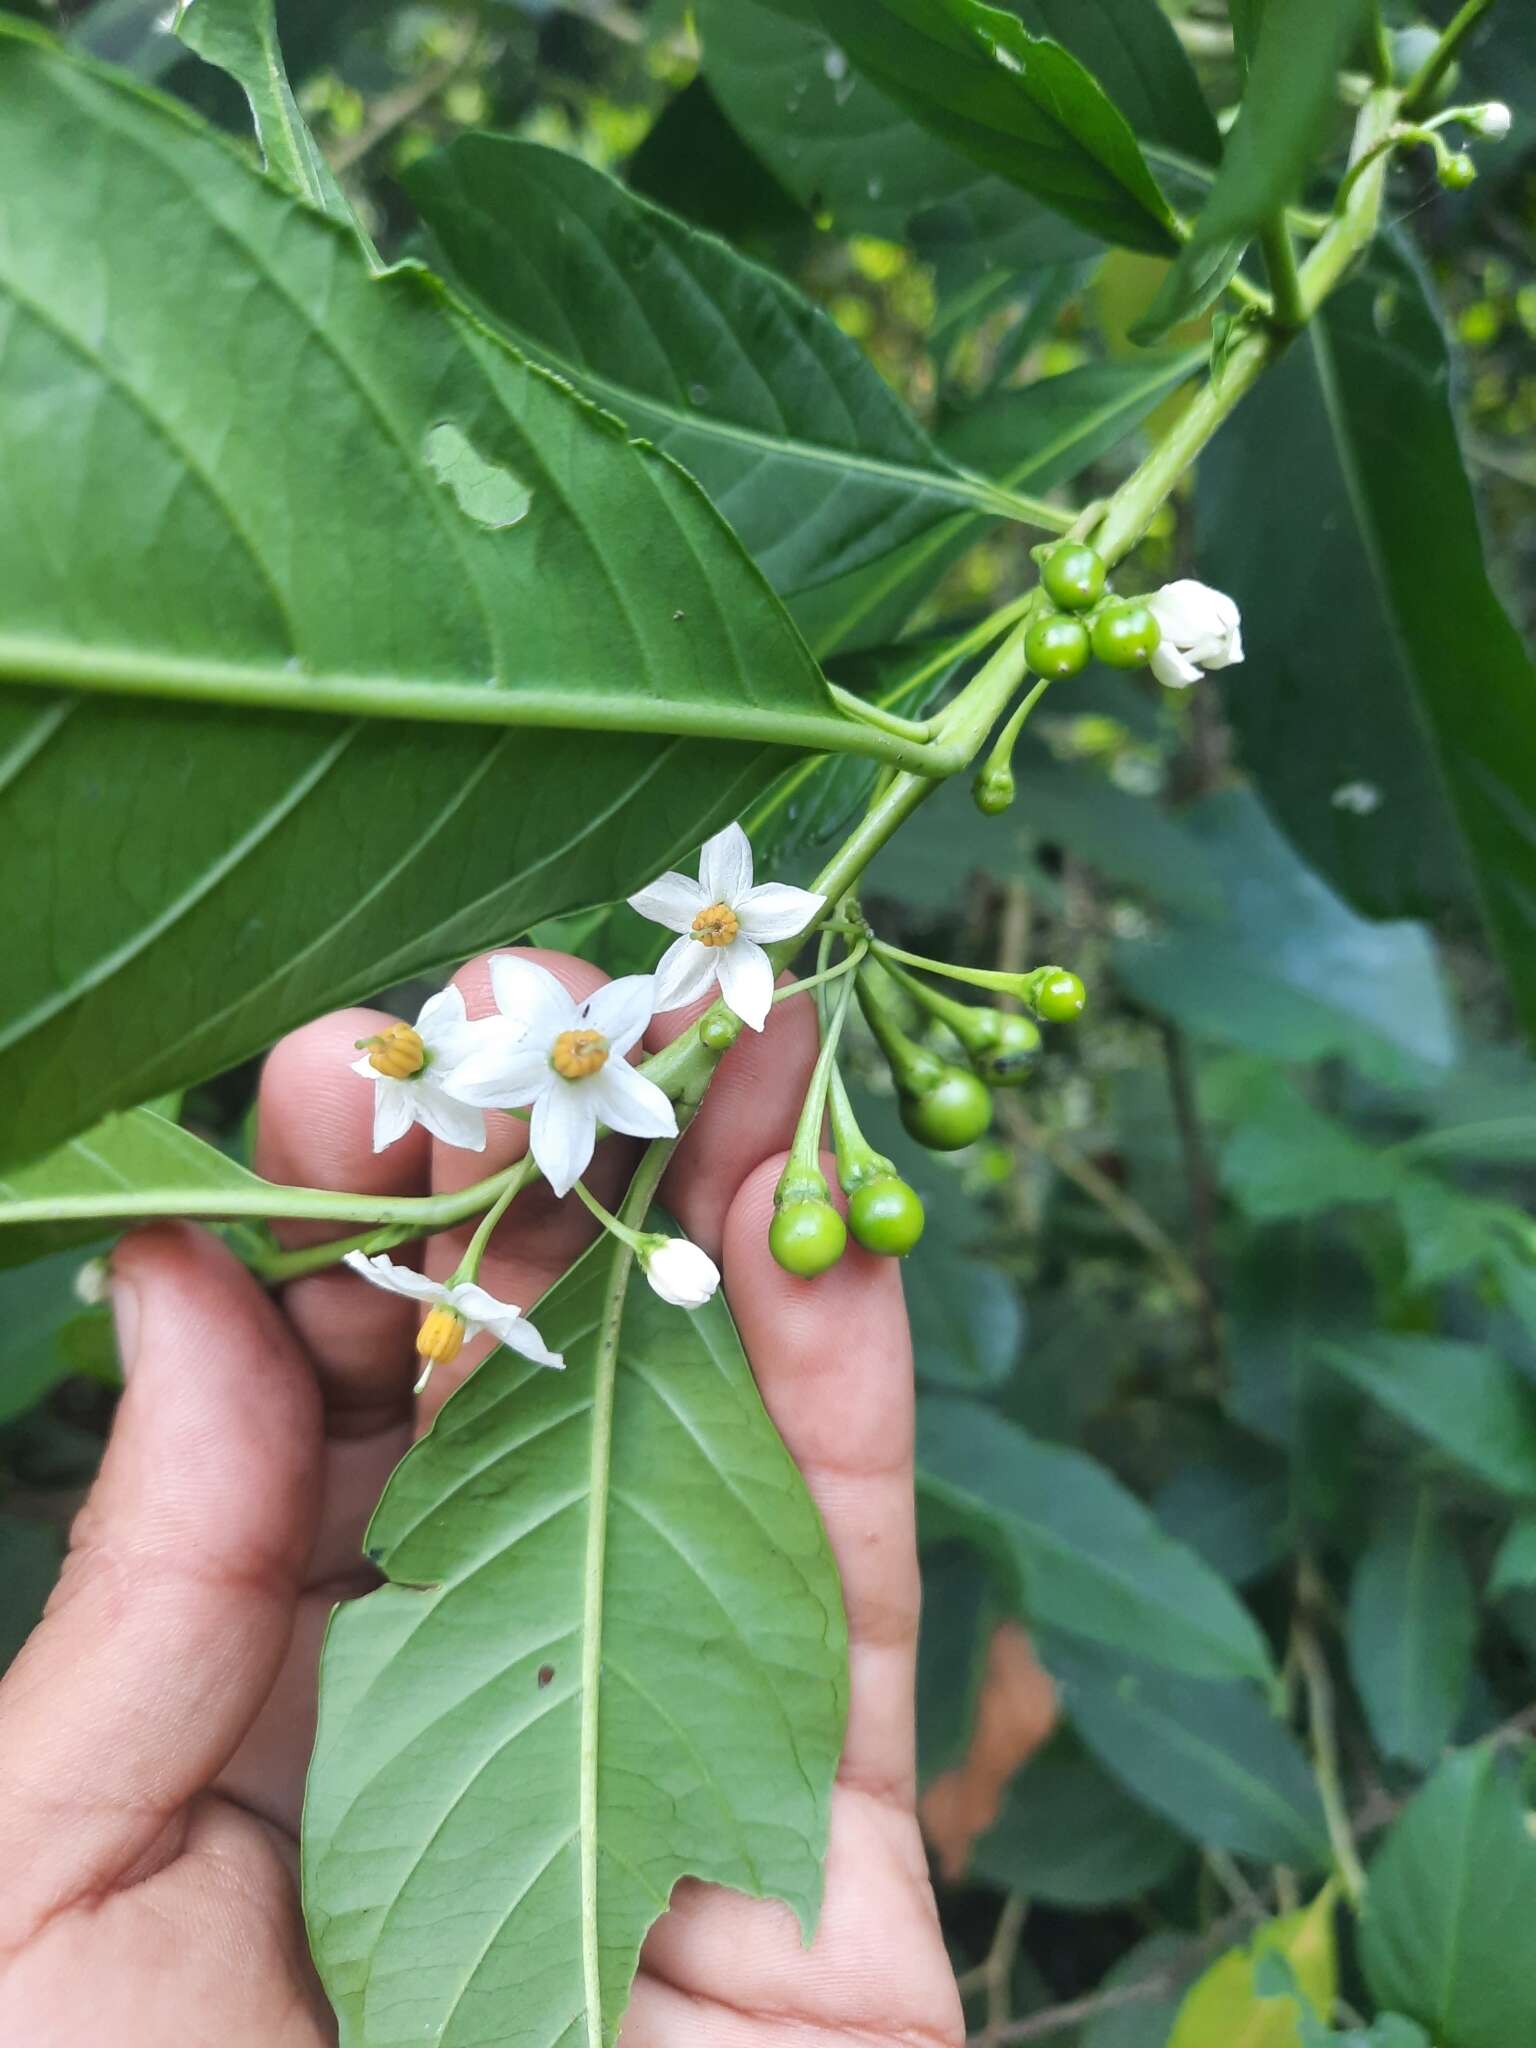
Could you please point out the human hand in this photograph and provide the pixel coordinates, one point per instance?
(154, 1733)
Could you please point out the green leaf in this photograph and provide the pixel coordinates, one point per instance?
(1229, 2007)
(800, 443)
(268, 531)
(1514, 1567)
(240, 37)
(1286, 1158)
(1291, 970)
(1446, 1939)
(42, 1322)
(1081, 1553)
(1212, 1758)
(1134, 51)
(955, 1635)
(1162, 1960)
(610, 1655)
(1018, 105)
(1232, 1508)
(1462, 1398)
(1292, 90)
(1412, 1625)
(1068, 1834)
(1360, 556)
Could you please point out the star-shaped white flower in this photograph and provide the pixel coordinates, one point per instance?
(725, 923)
(459, 1309)
(566, 1059)
(1201, 628)
(409, 1065)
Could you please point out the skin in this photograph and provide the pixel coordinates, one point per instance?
(155, 1730)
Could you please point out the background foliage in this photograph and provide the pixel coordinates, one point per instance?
(1227, 1335)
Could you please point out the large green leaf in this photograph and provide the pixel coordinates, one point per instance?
(611, 1655)
(797, 439)
(1463, 1398)
(1134, 51)
(1080, 1552)
(1292, 88)
(1447, 1937)
(312, 490)
(1212, 1758)
(1368, 616)
(1412, 1624)
(1020, 106)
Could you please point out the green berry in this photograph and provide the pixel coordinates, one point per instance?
(1006, 1061)
(954, 1112)
(1458, 172)
(1057, 645)
(1412, 48)
(807, 1237)
(1060, 998)
(1125, 634)
(993, 791)
(720, 1031)
(1073, 576)
(886, 1216)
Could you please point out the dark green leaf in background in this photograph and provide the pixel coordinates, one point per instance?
(1446, 1938)
(1463, 1398)
(1018, 105)
(1233, 1508)
(549, 1720)
(1386, 702)
(1161, 1959)
(1412, 1625)
(1080, 1552)
(1514, 1568)
(42, 1323)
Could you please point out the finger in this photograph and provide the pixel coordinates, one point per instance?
(541, 1235)
(177, 1600)
(748, 1115)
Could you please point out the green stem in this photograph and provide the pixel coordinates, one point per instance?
(1324, 1741)
(1284, 282)
(1358, 205)
(1379, 46)
(875, 714)
(802, 1177)
(857, 1159)
(823, 974)
(519, 1177)
(1429, 74)
(997, 979)
(611, 1223)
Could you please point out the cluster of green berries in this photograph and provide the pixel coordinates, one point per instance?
(1088, 621)
(943, 1104)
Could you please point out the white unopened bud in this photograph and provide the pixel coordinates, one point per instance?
(1492, 120)
(1201, 628)
(680, 1273)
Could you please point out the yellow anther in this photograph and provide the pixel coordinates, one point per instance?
(576, 1054)
(441, 1336)
(717, 926)
(397, 1052)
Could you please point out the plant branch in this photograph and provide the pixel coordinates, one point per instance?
(1284, 280)
(1313, 1664)
(1429, 74)
(395, 109)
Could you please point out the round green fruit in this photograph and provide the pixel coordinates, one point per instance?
(720, 1032)
(1057, 646)
(1125, 635)
(1073, 576)
(886, 1216)
(807, 1238)
(954, 1112)
(1008, 1059)
(1458, 172)
(1061, 998)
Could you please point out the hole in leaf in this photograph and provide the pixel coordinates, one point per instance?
(486, 492)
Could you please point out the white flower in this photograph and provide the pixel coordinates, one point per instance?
(568, 1060)
(458, 1311)
(1493, 120)
(681, 1273)
(1201, 628)
(725, 923)
(409, 1066)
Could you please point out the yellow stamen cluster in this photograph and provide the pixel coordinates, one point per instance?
(441, 1336)
(397, 1052)
(717, 926)
(577, 1054)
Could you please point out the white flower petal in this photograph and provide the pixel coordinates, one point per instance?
(507, 1072)
(682, 1274)
(746, 981)
(774, 910)
(380, 1271)
(563, 1133)
(365, 1067)
(725, 866)
(518, 1334)
(529, 995)
(455, 1122)
(394, 1111)
(673, 901)
(626, 1101)
(622, 1009)
(1175, 671)
(685, 972)
(442, 1012)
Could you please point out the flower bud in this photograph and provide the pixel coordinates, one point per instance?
(1201, 629)
(680, 1273)
(1457, 171)
(1492, 120)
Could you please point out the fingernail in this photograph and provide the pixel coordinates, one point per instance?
(125, 1313)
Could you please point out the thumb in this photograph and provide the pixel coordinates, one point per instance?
(176, 1601)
